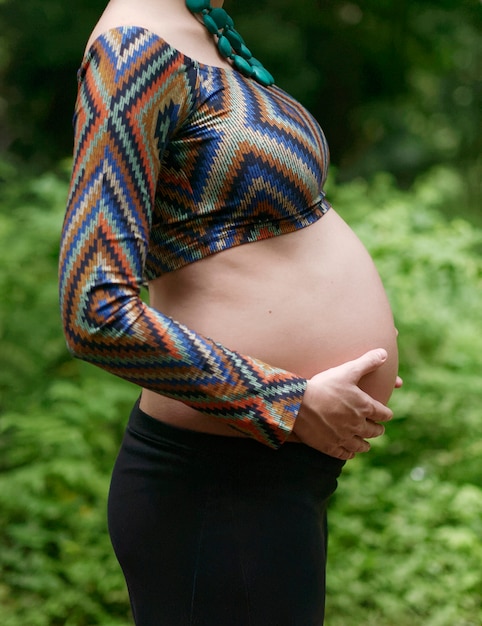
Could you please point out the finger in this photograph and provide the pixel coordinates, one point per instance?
(368, 362)
(398, 382)
(380, 412)
(342, 453)
(373, 429)
(358, 445)
(345, 455)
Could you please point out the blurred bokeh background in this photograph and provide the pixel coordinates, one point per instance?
(397, 87)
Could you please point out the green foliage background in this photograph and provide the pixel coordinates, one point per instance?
(395, 86)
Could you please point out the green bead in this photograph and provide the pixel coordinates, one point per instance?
(244, 52)
(224, 46)
(262, 75)
(229, 42)
(234, 37)
(210, 24)
(196, 6)
(242, 65)
(221, 18)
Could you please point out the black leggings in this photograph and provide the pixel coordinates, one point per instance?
(219, 531)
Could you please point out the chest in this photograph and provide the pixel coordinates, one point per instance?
(244, 141)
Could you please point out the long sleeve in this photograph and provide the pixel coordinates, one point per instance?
(135, 93)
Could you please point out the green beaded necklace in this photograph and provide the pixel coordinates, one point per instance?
(229, 42)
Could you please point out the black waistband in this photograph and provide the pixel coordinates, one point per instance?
(206, 444)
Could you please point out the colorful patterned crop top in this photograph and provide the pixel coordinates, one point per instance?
(173, 161)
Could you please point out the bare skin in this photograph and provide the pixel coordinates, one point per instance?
(310, 302)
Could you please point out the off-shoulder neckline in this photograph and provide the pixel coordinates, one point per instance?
(130, 27)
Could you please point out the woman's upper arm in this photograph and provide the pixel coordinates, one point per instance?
(134, 93)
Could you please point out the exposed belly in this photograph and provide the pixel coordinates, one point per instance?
(305, 302)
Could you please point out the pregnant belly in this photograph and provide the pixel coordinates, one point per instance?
(328, 306)
(305, 302)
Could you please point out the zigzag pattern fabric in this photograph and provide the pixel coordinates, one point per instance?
(173, 161)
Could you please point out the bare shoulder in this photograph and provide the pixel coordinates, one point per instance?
(168, 19)
(123, 13)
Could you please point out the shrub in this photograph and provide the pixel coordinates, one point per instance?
(405, 523)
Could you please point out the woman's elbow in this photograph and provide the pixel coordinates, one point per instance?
(82, 336)
(80, 345)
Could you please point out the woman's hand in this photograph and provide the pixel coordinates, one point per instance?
(336, 416)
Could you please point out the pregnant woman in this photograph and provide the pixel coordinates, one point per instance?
(267, 352)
